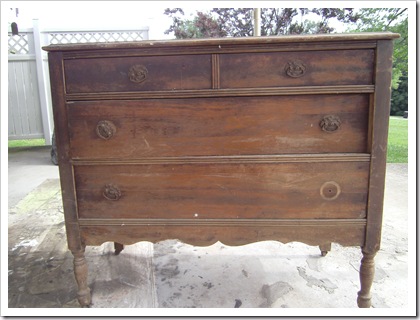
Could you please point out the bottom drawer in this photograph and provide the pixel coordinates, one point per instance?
(222, 191)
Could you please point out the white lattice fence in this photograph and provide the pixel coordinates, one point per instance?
(105, 36)
(19, 44)
(30, 112)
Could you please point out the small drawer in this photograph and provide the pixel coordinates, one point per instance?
(288, 69)
(219, 126)
(330, 190)
(128, 74)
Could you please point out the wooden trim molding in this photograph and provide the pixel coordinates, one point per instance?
(217, 92)
(329, 157)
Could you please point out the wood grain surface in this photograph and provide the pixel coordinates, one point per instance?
(222, 126)
(229, 191)
(164, 73)
(340, 67)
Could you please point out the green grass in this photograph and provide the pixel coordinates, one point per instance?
(26, 143)
(398, 140)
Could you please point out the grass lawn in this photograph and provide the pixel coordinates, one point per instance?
(26, 143)
(398, 140)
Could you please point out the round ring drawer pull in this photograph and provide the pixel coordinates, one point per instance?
(330, 190)
(295, 69)
(137, 73)
(112, 192)
(330, 123)
(105, 129)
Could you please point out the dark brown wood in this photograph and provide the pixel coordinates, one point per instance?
(380, 120)
(81, 275)
(242, 43)
(163, 73)
(232, 140)
(325, 248)
(218, 93)
(344, 67)
(367, 272)
(233, 235)
(230, 191)
(118, 248)
(230, 126)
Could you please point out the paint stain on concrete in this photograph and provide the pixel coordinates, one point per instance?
(169, 270)
(312, 281)
(313, 264)
(271, 293)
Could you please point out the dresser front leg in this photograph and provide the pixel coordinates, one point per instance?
(81, 275)
(367, 272)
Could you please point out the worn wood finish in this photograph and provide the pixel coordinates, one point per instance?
(230, 126)
(231, 191)
(233, 140)
(163, 73)
(205, 235)
(239, 44)
(344, 67)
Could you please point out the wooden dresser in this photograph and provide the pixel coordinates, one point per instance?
(235, 140)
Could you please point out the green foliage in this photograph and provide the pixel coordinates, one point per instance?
(238, 22)
(388, 19)
(201, 26)
(397, 141)
(399, 97)
(393, 20)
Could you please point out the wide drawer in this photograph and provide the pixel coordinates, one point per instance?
(138, 74)
(222, 191)
(219, 126)
(286, 69)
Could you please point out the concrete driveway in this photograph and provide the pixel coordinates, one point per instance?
(171, 274)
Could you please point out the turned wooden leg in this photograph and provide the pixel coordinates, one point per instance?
(118, 248)
(81, 274)
(325, 248)
(367, 271)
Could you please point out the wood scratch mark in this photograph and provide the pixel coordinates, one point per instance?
(147, 143)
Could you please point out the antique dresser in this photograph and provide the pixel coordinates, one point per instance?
(235, 140)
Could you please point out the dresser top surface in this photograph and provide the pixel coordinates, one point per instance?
(271, 40)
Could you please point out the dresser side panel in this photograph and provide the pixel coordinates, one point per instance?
(381, 112)
(63, 150)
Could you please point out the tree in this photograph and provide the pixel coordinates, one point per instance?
(223, 22)
(202, 26)
(237, 22)
(387, 19)
(394, 20)
(399, 97)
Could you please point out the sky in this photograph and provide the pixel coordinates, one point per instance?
(136, 14)
(124, 14)
(101, 14)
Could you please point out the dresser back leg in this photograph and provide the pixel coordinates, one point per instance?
(325, 248)
(118, 248)
(81, 275)
(367, 272)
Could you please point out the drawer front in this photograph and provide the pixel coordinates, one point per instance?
(218, 191)
(138, 74)
(311, 68)
(219, 126)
